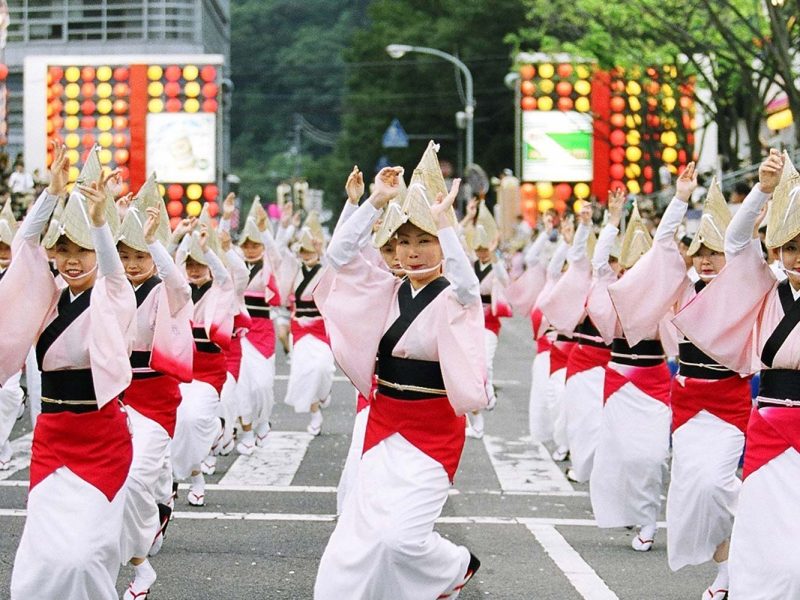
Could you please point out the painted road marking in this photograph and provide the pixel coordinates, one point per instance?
(524, 466)
(275, 463)
(21, 458)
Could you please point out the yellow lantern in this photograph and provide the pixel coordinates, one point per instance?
(74, 172)
(192, 89)
(545, 205)
(72, 140)
(582, 104)
(104, 106)
(72, 122)
(669, 155)
(637, 120)
(71, 107)
(105, 156)
(633, 153)
(104, 123)
(156, 105)
(780, 120)
(154, 72)
(545, 189)
(668, 138)
(190, 72)
(162, 190)
(582, 71)
(629, 122)
(632, 171)
(633, 186)
(105, 139)
(191, 105)
(72, 90)
(155, 89)
(193, 208)
(668, 104)
(72, 74)
(74, 156)
(633, 138)
(634, 103)
(546, 71)
(103, 73)
(633, 88)
(104, 90)
(546, 86)
(577, 206)
(194, 191)
(583, 87)
(667, 90)
(581, 191)
(545, 103)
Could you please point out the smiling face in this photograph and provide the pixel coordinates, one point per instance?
(789, 254)
(77, 265)
(484, 255)
(5, 255)
(708, 263)
(389, 255)
(197, 273)
(309, 258)
(139, 266)
(252, 251)
(419, 253)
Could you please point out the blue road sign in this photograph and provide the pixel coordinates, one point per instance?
(395, 136)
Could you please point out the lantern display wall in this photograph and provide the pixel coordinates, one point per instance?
(120, 106)
(642, 119)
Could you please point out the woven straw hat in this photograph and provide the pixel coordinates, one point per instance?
(715, 220)
(783, 221)
(53, 228)
(484, 232)
(8, 224)
(131, 232)
(250, 230)
(591, 244)
(616, 249)
(195, 252)
(637, 240)
(393, 217)
(310, 232)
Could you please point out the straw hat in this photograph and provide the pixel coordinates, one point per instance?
(310, 232)
(8, 224)
(616, 249)
(250, 230)
(637, 240)
(195, 252)
(131, 232)
(715, 220)
(393, 217)
(53, 229)
(591, 243)
(783, 221)
(484, 232)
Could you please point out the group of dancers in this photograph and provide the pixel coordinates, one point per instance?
(149, 352)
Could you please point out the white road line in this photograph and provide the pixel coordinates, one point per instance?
(522, 466)
(582, 577)
(21, 459)
(275, 463)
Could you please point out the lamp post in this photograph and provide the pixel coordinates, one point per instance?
(400, 50)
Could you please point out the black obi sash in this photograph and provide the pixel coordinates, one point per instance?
(647, 353)
(306, 308)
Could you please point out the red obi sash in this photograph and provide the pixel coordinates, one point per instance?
(315, 328)
(233, 356)
(585, 357)
(361, 401)
(771, 432)
(96, 446)
(728, 399)
(262, 335)
(653, 381)
(559, 355)
(157, 398)
(431, 426)
(491, 321)
(211, 368)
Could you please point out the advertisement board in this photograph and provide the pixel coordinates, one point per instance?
(181, 147)
(556, 146)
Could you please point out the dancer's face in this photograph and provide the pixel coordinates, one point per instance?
(309, 258)
(790, 257)
(708, 263)
(197, 273)
(76, 264)
(139, 266)
(484, 255)
(419, 253)
(389, 255)
(5, 255)
(253, 251)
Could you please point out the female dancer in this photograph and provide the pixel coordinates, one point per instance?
(430, 368)
(81, 445)
(746, 320)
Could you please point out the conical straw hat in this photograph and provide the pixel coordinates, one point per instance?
(250, 230)
(195, 252)
(8, 224)
(131, 231)
(393, 217)
(484, 232)
(310, 232)
(616, 249)
(783, 222)
(637, 240)
(591, 244)
(715, 220)
(53, 228)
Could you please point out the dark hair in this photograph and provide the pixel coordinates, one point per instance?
(742, 188)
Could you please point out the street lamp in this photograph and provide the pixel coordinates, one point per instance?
(400, 50)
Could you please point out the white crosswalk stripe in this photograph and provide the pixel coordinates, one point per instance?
(522, 466)
(21, 447)
(275, 463)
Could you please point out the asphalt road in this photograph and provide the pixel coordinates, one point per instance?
(268, 517)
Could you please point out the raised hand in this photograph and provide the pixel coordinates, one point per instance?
(202, 238)
(443, 203)
(585, 216)
(297, 219)
(616, 202)
(387, 186)
(286, 214)
(151, 223)
(95, 195)
(183, 227)
(224, 240)
(687, 183)
(567, 230)
(262, 218)
(355, 185)
(59, 171)
(769, 173)
(228, 206)
(114, 183)
(123, 204)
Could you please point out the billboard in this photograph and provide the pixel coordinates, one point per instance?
(181, 147)
(557, 146)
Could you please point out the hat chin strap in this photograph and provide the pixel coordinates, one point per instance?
(69, 278)
(785, 269)
(420, 271)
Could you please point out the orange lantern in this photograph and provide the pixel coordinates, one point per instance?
(527, 72)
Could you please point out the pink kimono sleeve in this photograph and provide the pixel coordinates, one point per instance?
(599, 307)
(565, 304)
(721, 319)
(523, 292)
(355, 302)
(173, 346)
(219, 310)
(462, 355)
(647, 292)
(28, 294)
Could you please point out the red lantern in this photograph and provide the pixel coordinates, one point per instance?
(685, 101)
(647, 188)
(87, 140)
(563, 88)
(120, 107)
(87, 89)
(87, 73)
(3, 72)
(648, 172)
(175, 192)
(686, 121)
(57, 90)
(563, 191)
(172, 73)
(174, 105)
(617, 185)
(564, 70)
(565, 104)
(527, 72)
(617, 155)
(652, 88)
(652, 104)
(210, 192)
(121, 156)
(528, 88)
(125, 173)
(210, 90)
(173, 221)
(56, 73)
(618, 120)
(559, 205)
(174, 208)
(88, 122)
(210, 105)
(213, 208)
(88, 107)
(617, 137)
(172, 89)
(618, 86)
(529, 103)
(58, 122)
(617, 171)
(617, 104)
(121, 89)
(120, 140)
(690, 138)
(120, 123)
(208, 73)
(682, 156)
